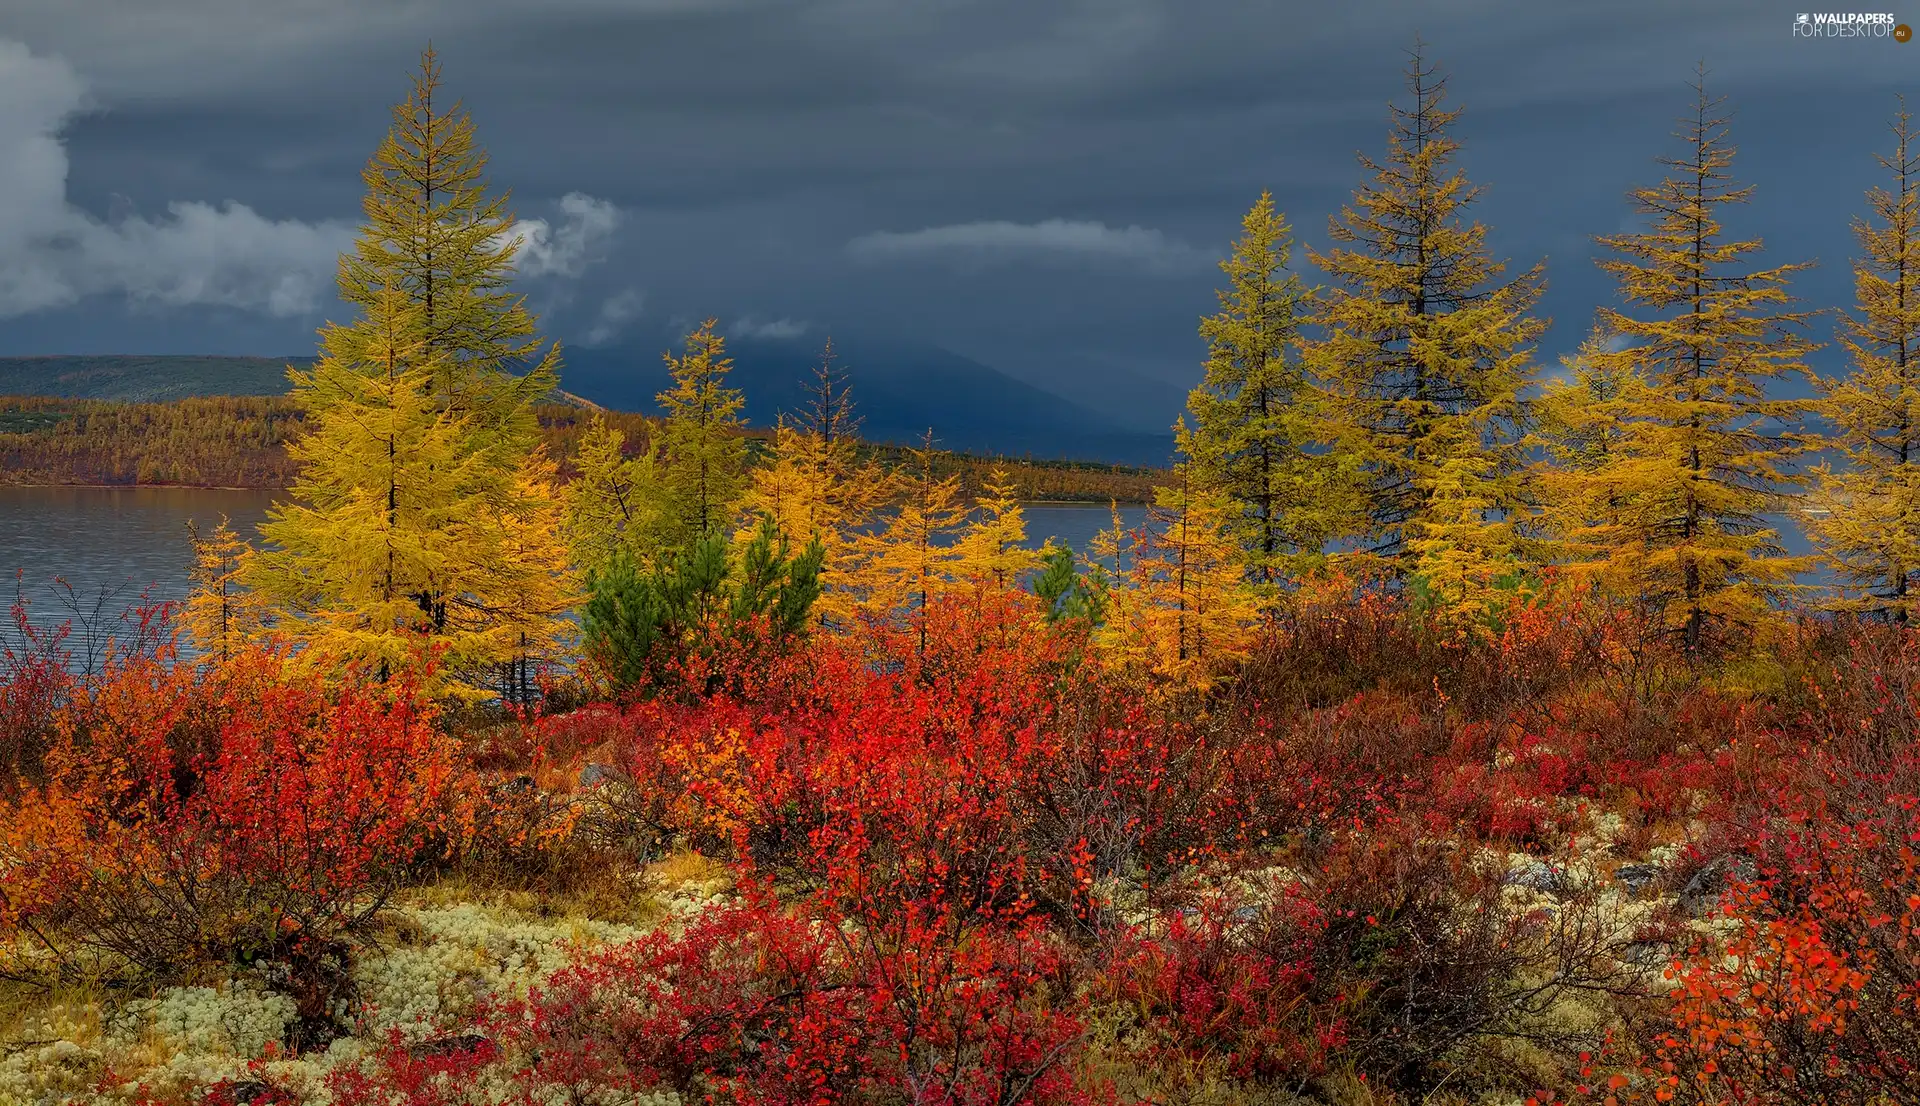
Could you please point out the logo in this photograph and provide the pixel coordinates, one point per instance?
(1849, 25)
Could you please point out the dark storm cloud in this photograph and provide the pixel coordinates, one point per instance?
(1036, 183)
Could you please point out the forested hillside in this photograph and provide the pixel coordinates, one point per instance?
(145, 379)
(240, 442)
(225, 442)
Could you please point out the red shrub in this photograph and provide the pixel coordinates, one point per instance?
(245, 812)
(34, 682)
(1814, 995)
(1229, 985)
(404, 1074)
(759, 1004)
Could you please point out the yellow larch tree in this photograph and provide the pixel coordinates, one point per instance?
(991, 555)
(703, 456)
(830, 415)
(807, 490)
(221, 614)
(1865, 517)
(1703, 454)
(434, 231)
(420, 424)
(613, 503)
(1465, 545)
(1253, 418)
(1183, 608)
(1422, 346)
(855, 486)
(533, 583)
(991, 551)
(1122, 632)
(853, 489)
(789, 489)
(388, 509)
(910, 562)
(1580, 424)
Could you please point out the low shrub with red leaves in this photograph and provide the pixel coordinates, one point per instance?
(241, 814)
(759, 1003)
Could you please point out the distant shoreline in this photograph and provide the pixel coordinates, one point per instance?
(261, 488)
(135, 487)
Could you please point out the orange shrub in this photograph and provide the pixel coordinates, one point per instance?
(239, 813)
(1813, 997)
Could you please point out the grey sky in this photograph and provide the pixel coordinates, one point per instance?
(1039, 184)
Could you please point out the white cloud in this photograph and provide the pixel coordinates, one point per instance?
(565, 249)
(748, 326)
(230, 256)
(619, 309)
(1054, 239)
(53, 254)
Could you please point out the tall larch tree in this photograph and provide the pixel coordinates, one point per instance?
(430, 276)
(855, 487)
(389, 514)
(613, 502)
(814, 487)
(1866, 516)
(703, 456)
(1251, 422)
(830, 413)
(434, 231)
(1704, 454)
(1422, 345)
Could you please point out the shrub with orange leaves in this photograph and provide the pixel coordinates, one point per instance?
(243, 812)
(45, 662)
(1813, 996)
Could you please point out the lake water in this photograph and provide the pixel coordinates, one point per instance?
(110, 544)
(88, 553)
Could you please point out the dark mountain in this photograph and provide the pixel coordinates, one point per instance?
(900, 390)
(1132, 397)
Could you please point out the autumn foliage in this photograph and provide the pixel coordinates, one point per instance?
(989, 866)
(242, 813)
(1810, 995)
